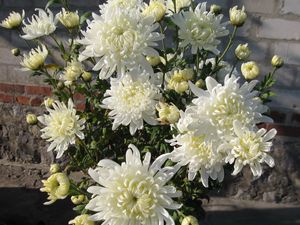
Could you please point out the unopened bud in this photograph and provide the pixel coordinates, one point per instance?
(216, 9)
(15, 51)
(237, 16)
(277, 61)
(31, 119)
(77, 199)
(54, 168)
(86, 76)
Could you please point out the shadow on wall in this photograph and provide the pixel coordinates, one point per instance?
(20, 206)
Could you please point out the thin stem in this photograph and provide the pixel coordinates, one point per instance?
(230, 42)
(233, 66)
(165, 56)
(78, 189)
(87, 151)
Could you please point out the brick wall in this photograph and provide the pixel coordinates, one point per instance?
(273, 27)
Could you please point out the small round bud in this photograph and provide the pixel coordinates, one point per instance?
(277, 61)
(153, 60)
(237, 16)
(54, 168)
(200, 83)
(189, 220)
(15, 51)
(48, 102)
(250, 70)
(86, 76)
(31, 119)
(60, 85)
(77, 199)
(242, 52)
(168, 114)
(216, 9)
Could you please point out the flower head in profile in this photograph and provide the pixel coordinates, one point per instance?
(200, 29)
(68, 19)
(156, 9)
(132, 100)
(63, 126)
(120, 41)
(57, 186)
(72, 72)
(250, 147)
(35, 58)
(135, 192)
(39, 25)
(82, 220)
(14, 20)
(223, 104)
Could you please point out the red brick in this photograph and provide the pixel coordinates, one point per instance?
(38, 90)
(78, 96)
(24, 100)
(12, 88)
(80, 106)
(36, 101)
(6, 98)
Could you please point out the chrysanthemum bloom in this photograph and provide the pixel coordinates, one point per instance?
(14, 20)
(132, 100)
(200, 154)
(237, 16)
(40, 25)
(242, 52)
(63, 126)
(178, 80)
(250, 147)
(82, 220)
(57, 186)
(223, 104)
(200, 29)
(35, 58)
(168, 114)
(111, 6)
(250, 70)
(120, 41)
(156, 9)
(72, 72)
(134, 192)
(68, 19)
(179, 5)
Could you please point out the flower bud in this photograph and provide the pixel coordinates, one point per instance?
(216, 9)
(60, 85)
(13, 21)
(31, 119)
(179, 80)
(237, 16)
(200, 83)
(57, 186)
(86, 76)
(15, 51)
(68, 19)
(82, 220)
(189, 220)
(72, 72)
(153, 60)
(155, 9)
(48, 102)
(242, 52)
(168, 114)
(54, 168)
(250, 70)
(277, 61)
(77, 199)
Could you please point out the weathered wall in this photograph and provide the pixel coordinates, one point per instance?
(273, 27)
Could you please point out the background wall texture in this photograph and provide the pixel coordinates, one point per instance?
(273, 27)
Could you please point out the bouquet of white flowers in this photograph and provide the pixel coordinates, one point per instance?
(164, 114)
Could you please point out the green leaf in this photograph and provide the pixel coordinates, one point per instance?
(84, 17)
(51, 2)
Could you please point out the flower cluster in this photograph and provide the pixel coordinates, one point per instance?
(153, 75)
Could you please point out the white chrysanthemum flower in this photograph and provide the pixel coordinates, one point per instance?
(200, 154)
(63, 126)
(121, 41)
(179, 5)
(35, 58)
(132, 99)
(40, 25)
(250, 148)
(223, 104)
(200, 29)
(155, 8)
(81, 220)
(134, 192)
(68, 19)
(111, 6)
(14, 20)
(72, 72)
